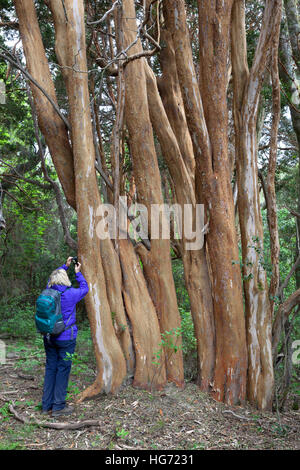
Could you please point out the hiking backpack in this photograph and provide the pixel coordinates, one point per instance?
(48, 317)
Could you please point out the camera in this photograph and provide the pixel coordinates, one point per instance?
(75, 260)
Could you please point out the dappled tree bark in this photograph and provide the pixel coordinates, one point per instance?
(156, 262)
(247, 86)
(271, 193)
(208, 133)
(197, 279)
(145, 325)
(292, 16)
(132, 299)
(109, 356)
(170, 93)
(290, 76)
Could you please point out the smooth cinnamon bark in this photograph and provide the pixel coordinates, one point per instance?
(197, 279)
(213, 186)
(145, 325)
(157, 264)
(114, 286)
(170, 93)
(247, 88)
(110, 360)
(50, 124)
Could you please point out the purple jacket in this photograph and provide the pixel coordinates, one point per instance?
(69, 298)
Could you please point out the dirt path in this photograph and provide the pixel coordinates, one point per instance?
(133, 419)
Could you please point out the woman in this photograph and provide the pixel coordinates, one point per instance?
(58, 348)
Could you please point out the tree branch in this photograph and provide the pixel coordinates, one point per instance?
(16, 64)
(280, 319)
(58, 196)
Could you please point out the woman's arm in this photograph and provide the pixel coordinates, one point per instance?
(64, 266)
(83, 288)
(67, 263)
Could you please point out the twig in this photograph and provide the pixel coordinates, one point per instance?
(19, 203)
(9, 24)
(292, 211)
(237, 416)
(19, 176)
(36, 444)
(103, 18)
(25, 376)
(101, 173)
(288, 277)
(16, 64)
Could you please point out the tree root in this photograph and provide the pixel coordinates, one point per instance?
(91, 391)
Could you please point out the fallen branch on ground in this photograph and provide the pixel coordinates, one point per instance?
(46, 424)
(25, 376)
(236, 416)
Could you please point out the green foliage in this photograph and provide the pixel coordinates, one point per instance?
(78, 365)
(4, 412)
(181, 291)
(7, 445)
(189, 343)
(120, 432)
(17, 318)
(169, 345)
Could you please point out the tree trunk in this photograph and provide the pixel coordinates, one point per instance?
(292, 16)
(109, 356)
(170, 93)
(290, 76)
(111, 264)
(114, 283)
(145, 326)
(197, 279)
(214, 190)
(51, 125)
(246, 98)
(271, 198)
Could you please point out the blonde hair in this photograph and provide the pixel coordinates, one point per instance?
(59, 276)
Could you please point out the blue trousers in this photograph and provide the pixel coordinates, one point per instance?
(57, 372)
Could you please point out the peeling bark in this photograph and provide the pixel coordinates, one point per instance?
(157, 264)
(109, 356)
(207, 126)
(247, 88)
(271, 198)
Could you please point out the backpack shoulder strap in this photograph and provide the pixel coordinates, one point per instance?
(71, 313)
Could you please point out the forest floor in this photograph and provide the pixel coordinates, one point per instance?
(132, 419)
